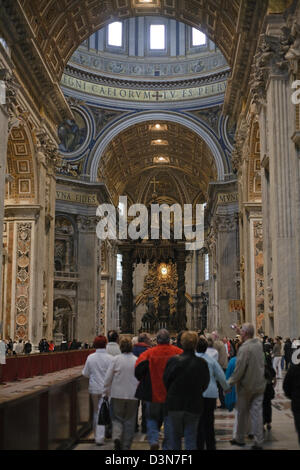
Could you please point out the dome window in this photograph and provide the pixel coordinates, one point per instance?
(115, 34)
(157, 37)
(198, 38)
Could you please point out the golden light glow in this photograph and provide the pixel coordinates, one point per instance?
(158, 127)
(159, 142)
(164, 270)
(161, 159)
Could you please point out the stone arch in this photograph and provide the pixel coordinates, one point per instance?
(191, 124)
(60, 27)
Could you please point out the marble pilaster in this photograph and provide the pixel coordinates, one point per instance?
(223, 241)
(8, 90)
(127, 291)
(280, 181)
(89, 285)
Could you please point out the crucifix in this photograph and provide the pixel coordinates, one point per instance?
(154, 182)
(157, 95)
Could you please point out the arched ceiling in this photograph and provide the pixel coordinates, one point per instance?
(43, 34)
(60, 26)
(178, 159)
(133, 59)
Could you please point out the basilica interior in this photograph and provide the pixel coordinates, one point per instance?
(163, 102)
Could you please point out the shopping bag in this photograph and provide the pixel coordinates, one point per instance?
(104, 414)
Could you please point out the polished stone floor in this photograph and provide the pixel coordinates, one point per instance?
(282, 436)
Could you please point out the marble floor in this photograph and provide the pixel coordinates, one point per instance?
(281, 437)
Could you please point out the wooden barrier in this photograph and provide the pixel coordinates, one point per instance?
(53, 418)
(31, 365)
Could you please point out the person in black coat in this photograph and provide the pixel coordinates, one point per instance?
(186, 377)
(291, 388)
(144, 343)
(269, 394)
(287, 352)
(27, 347)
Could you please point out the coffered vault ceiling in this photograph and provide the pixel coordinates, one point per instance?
(59, 26)
(45, 33)
(179, 161)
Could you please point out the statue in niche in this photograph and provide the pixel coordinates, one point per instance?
(58, 317)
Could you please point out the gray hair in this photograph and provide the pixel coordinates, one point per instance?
(248, 328)
(163, 337)
(144, 338)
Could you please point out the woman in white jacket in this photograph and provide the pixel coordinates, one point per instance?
(95, 369)
(120, 385)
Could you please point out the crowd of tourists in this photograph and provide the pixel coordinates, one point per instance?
(178, 382)
(20, 347)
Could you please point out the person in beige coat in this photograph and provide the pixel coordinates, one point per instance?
(249, 378)
(222, 360)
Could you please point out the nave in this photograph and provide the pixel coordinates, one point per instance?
(282, 436)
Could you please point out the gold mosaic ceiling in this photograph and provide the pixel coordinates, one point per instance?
(179, 160)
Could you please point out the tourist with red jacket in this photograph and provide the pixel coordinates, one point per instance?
(149, 370)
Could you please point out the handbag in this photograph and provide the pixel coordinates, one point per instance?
(104, 414)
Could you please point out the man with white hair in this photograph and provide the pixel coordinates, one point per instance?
(249, 378)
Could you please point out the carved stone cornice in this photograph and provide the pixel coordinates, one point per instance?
(22, 212)
(12, 87)
(11, 84)
(293, 29)
(269, 60)
(148, 85)
(48, 148)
